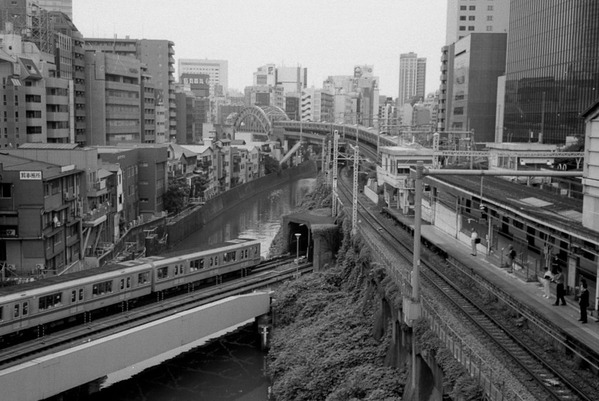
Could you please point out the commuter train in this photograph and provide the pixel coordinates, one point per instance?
(39, 306)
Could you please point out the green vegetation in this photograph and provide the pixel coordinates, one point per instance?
(175, 196)
(323, 346)
(330, 341)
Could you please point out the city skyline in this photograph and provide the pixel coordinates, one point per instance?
(263, 32)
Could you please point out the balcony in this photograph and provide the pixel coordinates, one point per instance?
(95, 216)
(97, 189)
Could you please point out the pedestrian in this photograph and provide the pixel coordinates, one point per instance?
(559, 292)
(511, 256)
(547, 276)
(473, 241)
(583, 301)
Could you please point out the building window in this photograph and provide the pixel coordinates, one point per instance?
(462, 28)
(470, 28)
(489, 8)
(462, 18)
(489, 18)
(471, 18)
(472, 8)
(462, 8)
(5, 190)
(489, 28)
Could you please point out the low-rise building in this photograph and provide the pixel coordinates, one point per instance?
(40, 227)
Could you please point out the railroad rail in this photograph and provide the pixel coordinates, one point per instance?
(265, 275)
(540, 374)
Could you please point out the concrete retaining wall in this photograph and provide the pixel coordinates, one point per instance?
(215, 206)
(50, 375)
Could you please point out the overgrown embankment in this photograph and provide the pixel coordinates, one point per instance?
(323, 346)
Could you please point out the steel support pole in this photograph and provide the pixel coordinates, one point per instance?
(335, 158)
(354, 213)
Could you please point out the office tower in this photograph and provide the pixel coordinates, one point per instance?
(467, 16)
(292, 79)
(114, 98)
(218, 70)
(479, 60)
(158, 56)
(412, 77)
(266, 75)
(64, 6)
(552, 70)
(317, 105)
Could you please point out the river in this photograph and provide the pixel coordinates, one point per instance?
(229, 367)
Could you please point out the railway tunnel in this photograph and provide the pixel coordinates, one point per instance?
(313, 235)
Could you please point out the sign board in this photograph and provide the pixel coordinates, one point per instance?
(30, 175)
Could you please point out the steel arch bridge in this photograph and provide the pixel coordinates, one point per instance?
(259, 119)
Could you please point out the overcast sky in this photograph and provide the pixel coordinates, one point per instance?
(328, 37)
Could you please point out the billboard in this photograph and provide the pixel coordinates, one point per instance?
(198, 83)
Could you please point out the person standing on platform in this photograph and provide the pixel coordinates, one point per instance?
(511, 256)
(560, 292)
(583, 302)
(547, 277)
(473, 241)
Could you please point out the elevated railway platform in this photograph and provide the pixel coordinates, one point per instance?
(526, 295)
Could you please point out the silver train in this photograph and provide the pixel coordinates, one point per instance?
(38, 305)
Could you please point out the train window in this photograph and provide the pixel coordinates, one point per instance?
(17, 309)
(81, 294)
(102, 288)
(49, 301)
(196, 264)
(216, 261)
(229, 257)
(122, 284)
(176, 270)
(25, 308)
(246, 253)
(73, 296)
(211, 261)
(1, 313)
(143, 278)
(162, 273)
(128, 282)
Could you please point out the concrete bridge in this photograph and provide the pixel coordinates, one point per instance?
(53, 374)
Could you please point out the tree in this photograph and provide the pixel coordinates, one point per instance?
(271, 165)
(174, 197)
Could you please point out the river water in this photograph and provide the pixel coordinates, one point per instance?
(229, 367)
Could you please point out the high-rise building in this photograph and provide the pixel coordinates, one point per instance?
(317, 105)
(467, 16)
(552, 70)
(292, 79)
(64, 6)
(114, 98)
(479, 60)
(158, 56)
(218, 70)
(266, 75)
(412, 77)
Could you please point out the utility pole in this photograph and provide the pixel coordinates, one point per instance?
(335, 158)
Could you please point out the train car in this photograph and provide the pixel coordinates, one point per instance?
(68, 298)
(232, 257)
(56, 298)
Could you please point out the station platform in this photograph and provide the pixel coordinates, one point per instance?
(528, 293)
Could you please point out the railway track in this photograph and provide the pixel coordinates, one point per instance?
(264, 276)
(541, 375)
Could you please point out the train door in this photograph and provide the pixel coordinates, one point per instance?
(20, 315)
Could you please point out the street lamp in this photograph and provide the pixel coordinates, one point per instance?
(297, 236)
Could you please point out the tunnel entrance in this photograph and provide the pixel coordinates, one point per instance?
(301, 242)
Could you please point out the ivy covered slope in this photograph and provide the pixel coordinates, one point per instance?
(323, 346)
